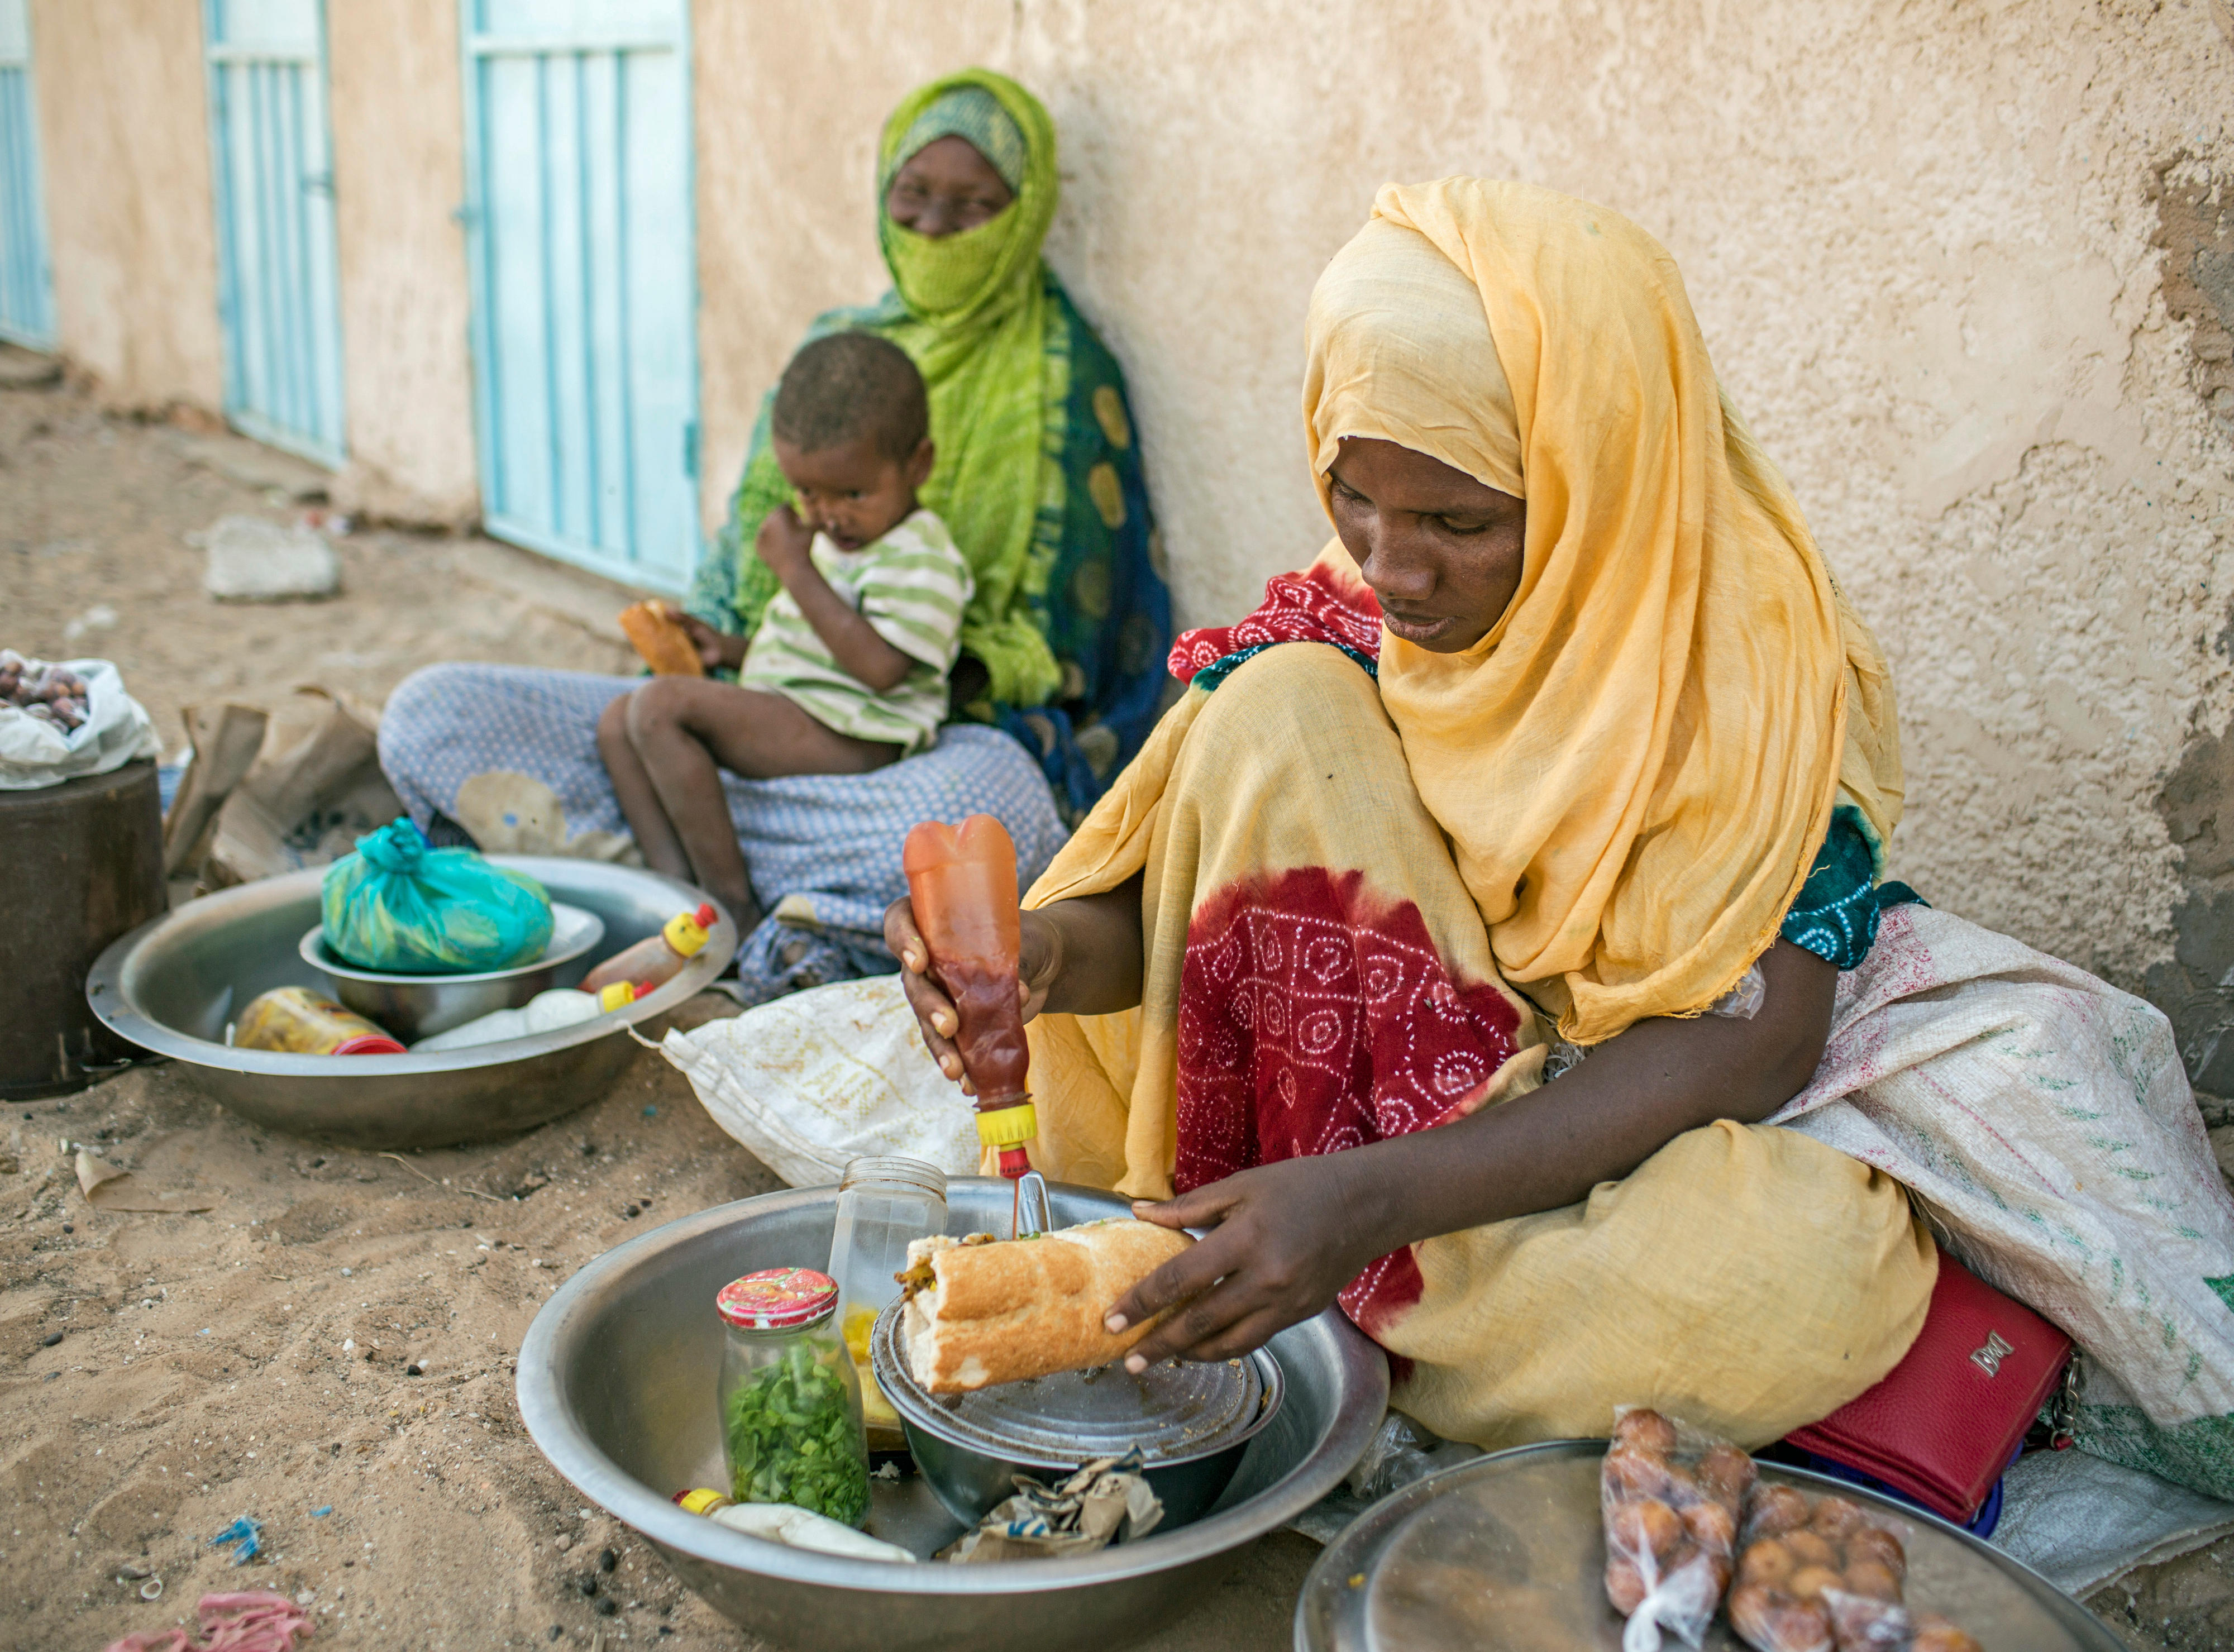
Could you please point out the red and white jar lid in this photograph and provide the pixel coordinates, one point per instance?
(776, 1299)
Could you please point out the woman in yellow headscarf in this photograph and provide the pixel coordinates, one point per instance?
(1567, 747)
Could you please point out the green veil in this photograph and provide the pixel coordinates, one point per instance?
(971, 309)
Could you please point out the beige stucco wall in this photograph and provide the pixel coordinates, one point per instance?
(1968, 266)
(124, 134)
(399, 172)
(1919, 239)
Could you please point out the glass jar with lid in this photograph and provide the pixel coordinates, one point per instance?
(791, 1404)
(883, 1204)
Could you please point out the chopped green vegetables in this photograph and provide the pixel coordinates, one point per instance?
(792, 1439)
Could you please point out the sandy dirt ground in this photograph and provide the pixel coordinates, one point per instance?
(329, 1350)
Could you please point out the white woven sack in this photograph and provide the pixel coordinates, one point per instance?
(809, 1082)
(116, 729)
(2043, 1120)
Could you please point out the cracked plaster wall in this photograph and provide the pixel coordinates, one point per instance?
(124, 140)
(1930, 245)
(1967, 265)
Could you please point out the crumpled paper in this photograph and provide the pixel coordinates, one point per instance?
(1107, 1501)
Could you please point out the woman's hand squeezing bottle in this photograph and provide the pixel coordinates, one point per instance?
(1039, 963)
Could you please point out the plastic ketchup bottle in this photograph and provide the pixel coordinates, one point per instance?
(962, 882)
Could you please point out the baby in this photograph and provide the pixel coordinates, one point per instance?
(847, 671)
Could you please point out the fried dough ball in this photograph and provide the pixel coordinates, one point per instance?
(1764, 1618)
(1646, 1430)
(1683, 1488)
(1624, 1584)
(1937, 1635)
(1875, 1543)
(1711, 1526)
(1812, 1549)
(1808, 1582)
(1872, 1579)
(1766, 1561)
(1834, 1516)
(1644, 1526)
(1630, 1472)
(1727, 1474)
(1776, 1510)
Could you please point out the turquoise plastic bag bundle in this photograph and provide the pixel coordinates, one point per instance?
(397, 904)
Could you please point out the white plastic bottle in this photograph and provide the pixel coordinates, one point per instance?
(545, 1012)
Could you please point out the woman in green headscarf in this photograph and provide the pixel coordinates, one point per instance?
(1038, 473)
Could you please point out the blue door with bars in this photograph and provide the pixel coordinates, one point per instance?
(27, 292)
(579, 221)
(272, 164)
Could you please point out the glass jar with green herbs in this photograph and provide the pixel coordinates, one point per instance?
(791, 1402)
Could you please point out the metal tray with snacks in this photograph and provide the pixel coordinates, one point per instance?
(1506, 1554)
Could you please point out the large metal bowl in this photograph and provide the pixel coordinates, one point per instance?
(616, 1383)
(170, 987)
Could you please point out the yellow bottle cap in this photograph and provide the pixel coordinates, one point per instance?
(1007, 1126)
(701, 1500)
(686, 931)
(615, 994)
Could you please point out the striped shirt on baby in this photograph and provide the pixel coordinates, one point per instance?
(911, 587)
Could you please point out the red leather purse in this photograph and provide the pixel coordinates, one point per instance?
(1948, 1419)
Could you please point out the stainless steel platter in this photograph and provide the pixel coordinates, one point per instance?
(170, 986)
(617, 1384)
(1506, 1553)
(1190, 1422)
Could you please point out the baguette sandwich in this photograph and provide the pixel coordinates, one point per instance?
(983, 1310)
(660, 639)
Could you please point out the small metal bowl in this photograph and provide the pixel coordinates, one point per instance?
(412, 1006)
(1193, 1421)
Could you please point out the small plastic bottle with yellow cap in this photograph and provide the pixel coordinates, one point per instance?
(656, 959)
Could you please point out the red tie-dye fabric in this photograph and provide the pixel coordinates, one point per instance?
(1313, 606)
(1314, 1016)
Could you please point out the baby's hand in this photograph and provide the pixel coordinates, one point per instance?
(783, 543)
(715, 648)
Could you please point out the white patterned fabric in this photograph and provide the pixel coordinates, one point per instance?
(824, 848)
(812, 1082)
(2043, 1121)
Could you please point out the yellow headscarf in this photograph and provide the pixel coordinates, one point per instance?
(1637, 764)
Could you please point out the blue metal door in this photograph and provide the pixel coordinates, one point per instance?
(27, 292)
(578, 215)
(271, 163)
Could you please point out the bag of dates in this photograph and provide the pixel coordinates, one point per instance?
(1672, 1499)
(1823, 1575)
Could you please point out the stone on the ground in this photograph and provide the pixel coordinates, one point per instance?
(252, 561)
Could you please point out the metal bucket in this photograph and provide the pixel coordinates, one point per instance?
(81, 864)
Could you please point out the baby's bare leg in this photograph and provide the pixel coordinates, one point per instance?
(648, 822)
(685, 730)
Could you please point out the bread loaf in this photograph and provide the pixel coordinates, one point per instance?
(1000, 1312)
(660, 638)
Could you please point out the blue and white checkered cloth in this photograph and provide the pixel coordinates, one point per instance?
(833, 841)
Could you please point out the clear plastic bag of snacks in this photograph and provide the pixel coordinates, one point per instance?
(1822, 1574)
(1671, 1499)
